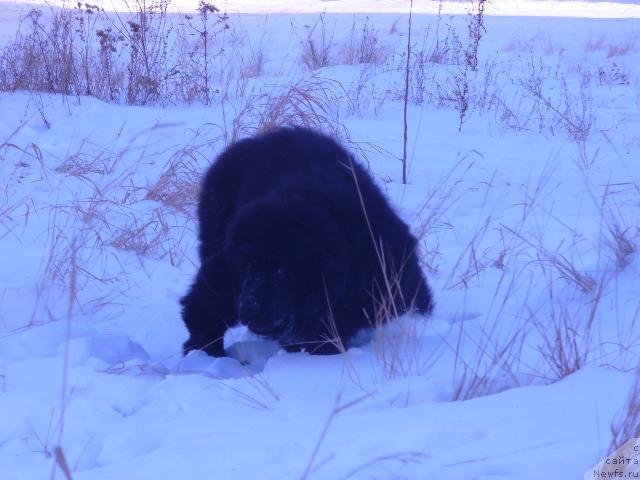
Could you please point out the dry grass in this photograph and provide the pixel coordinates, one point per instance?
(79, 256)
(567, 330)
(613, 74)
(432, 216)
(109, 213)
(627, 424)
(622, 238)
(61, 461)
(364, 45)
(44, 58)
(254, 65)
(45, 440)
(333, 336)
(179, 183)
(10, 211)
(563, 266)
(624, 47)
(310, 102)
(317, 47)
(398, 458)
(399, 347)
(492, 368)
(471, 261)
(113, 216)
(144, 236)
(338, 408)
(565, 325)
(117, 215)
(91, 160)
(139, 57)
(594, 44)
(255, 391)
(574, 115)
(493, 345)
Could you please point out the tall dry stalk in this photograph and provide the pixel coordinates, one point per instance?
(60, 460)
(406, 99)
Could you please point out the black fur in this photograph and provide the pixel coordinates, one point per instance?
(294, 238)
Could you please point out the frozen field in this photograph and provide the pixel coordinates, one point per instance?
(523, 188)
(545, 8)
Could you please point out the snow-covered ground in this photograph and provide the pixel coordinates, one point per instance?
(528, 216)
(544, 8)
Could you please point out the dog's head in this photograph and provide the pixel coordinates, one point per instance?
(291, 265)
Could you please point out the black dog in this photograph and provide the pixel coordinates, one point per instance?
(298, 244)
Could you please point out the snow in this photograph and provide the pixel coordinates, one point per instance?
(526, 8)
(90, 329)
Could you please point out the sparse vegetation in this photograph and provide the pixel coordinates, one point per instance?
(317, 47)
(364, 45)
(626, 425)
(534, 273)
(116, 57)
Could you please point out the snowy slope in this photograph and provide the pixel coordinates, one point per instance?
(522, 220)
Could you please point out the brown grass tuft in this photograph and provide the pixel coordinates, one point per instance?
(179, 182)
